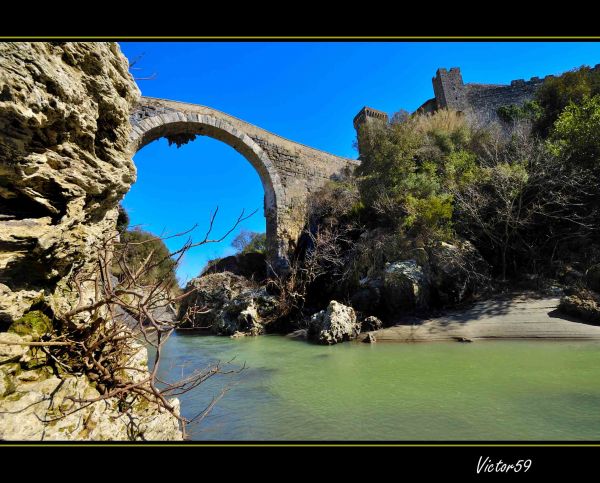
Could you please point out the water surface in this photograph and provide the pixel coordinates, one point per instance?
(291, 390)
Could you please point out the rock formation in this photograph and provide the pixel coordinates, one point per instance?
(335, 324)
(226, 304)
(64, 160)
(36, 404)
(583, 304)
(371, 323)
(406, 286)
(65, 164)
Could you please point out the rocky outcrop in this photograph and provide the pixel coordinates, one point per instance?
(250, 265)
(371, 323)
(207, 296)
(65, 163)
(368, 297)
(226, 304)
(64, 160)
(406, 286)
(582, 304)
(456, 271)
(439, 275)
(37, 404)
(248, 313)
(335, 324)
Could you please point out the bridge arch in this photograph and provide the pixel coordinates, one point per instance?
(178, 127)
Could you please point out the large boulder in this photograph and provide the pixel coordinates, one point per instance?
(247, 313)
(405, 287)
(335, 324)
(225, 303)
(371, 323)
(206, 297)
(456, 271)
(582, 304)
(367, 298)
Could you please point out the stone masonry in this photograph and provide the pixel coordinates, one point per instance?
(289, 171)
(479, 102)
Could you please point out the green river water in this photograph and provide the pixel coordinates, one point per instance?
(292, 390)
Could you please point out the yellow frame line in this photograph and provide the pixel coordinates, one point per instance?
(302, 37)
(394, 445)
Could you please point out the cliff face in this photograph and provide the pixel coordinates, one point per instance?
(64, 166)
(64, 160)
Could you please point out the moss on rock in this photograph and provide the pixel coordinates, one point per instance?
(34, 323)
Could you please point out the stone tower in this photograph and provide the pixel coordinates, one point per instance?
(366, 117)
(449, 89)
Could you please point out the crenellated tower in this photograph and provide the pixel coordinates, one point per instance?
(449, 89)
(366, 117)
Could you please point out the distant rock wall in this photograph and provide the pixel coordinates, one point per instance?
(64, 162)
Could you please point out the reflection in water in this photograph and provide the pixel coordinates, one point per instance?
(291, 390)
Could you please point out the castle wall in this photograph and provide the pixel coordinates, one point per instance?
(483, 101)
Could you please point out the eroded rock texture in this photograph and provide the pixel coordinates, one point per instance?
(337, 323)
(64, 160)
(227, 304)
(36, 404)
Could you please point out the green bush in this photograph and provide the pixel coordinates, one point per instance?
(249, 242)
(528, 111)
(575, 136)
(557, 93)
(135, 246)
(122, 220)
(407, 167)
(428, 178)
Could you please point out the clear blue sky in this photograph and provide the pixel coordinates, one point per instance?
(307, 92)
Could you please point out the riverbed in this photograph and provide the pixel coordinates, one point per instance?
(486, 390)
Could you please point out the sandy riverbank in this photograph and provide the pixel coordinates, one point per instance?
(510, 317)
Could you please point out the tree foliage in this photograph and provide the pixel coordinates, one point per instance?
(249, 242)
(520, 199)
(141, 245)
(406, 168)
(557, 93)
(575, 136)
(529, 110)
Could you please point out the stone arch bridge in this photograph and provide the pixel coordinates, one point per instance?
(289, 171)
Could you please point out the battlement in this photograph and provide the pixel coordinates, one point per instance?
(448, 87)
(532, 81)
(479, 102)
(368, 113)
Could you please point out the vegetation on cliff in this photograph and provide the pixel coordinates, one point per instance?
(460, 201)
(442, 209)
(249, 242)
(138, 245)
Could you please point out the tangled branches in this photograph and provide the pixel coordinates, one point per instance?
(101, 332)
